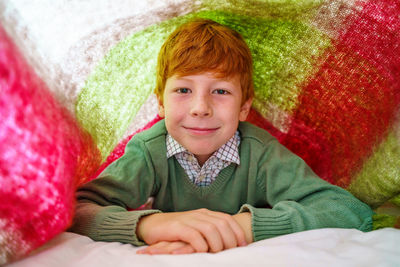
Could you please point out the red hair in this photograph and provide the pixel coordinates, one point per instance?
(204, 45)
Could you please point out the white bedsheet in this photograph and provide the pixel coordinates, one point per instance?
(322, 247)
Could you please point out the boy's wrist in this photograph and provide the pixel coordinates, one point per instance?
(138, 228)
(141, 226)
(244, 221)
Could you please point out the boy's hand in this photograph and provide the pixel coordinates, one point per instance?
(168, 247)
(203, 230)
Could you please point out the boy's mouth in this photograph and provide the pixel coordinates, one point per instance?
(201, 131)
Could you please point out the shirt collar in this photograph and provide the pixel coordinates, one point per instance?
(227, 152)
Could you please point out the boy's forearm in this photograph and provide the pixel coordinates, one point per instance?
(244, 220)
(108, 223)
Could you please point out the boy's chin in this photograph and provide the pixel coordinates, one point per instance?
(202, 154)
(203, 150)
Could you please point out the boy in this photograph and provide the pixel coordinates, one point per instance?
(218, 182)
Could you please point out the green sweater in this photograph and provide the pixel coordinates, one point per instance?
(281, 192)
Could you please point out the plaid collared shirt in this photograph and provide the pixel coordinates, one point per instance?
(206, 174)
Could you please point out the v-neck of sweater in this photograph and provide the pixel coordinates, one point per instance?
(202, 191)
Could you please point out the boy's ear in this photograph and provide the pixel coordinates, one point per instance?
(161, 111)
(245, 109)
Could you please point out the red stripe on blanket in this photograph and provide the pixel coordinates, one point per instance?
(43, 152)
(351, 105)
(374, 34)
(302, 140)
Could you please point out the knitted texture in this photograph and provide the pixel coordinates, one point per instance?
(326, 85)
(44, 155)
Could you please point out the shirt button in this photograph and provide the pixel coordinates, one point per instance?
(201, 177)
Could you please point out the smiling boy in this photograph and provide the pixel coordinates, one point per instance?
(218, 182)
(209, 111)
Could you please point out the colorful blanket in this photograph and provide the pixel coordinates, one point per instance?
(76, 81)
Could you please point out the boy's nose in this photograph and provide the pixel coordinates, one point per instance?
(200, 107)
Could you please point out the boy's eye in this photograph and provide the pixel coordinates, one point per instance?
(183, 90)
(220, 92)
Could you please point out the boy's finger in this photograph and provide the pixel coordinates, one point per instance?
(147, 250)
(152, 249)
(194, 237)
(165, 247)
(185, 249)
(225, 230)
(229, 225)
(206, 225)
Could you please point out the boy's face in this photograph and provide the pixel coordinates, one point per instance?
(202, 112)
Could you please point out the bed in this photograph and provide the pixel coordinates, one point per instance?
(322, 247)
(76, 84)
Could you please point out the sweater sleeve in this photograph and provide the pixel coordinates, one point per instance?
(104, 209)
(300, 200)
